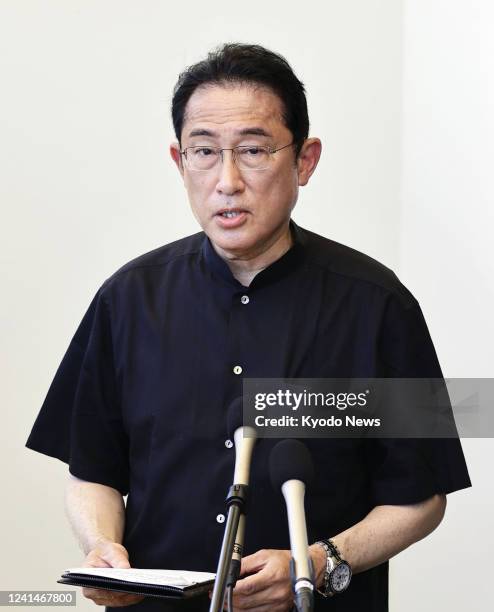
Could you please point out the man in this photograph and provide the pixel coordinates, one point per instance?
(139, 403)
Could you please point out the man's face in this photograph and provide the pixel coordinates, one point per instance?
(262, 200)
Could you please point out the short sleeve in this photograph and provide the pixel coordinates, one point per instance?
(80, 420)
(409, 470)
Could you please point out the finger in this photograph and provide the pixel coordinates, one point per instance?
(95, 561)
(276, 596)
(124, 599)
(265, 596)
(116, 556)
(99, 596)
(267, 607)
(248, 586)
(262, 588)
(107, 558)
(102, 597)
(253, 563)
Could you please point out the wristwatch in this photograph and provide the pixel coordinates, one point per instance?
(338, 572)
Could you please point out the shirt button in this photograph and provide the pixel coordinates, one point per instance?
(220, 518)
(237, 370)
(228, 443)
(244, 299)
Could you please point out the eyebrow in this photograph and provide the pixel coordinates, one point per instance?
(250, 131)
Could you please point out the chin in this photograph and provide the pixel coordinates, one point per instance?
(234, 245)
(227, 236)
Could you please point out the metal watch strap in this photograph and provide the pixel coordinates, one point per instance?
(332, 552)
(334, 549)
(326, 592)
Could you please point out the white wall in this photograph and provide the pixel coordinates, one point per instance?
(447, 182)
(87, 185)
(447, 260)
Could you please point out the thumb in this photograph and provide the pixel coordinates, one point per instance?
(121, 563)
(116, 555)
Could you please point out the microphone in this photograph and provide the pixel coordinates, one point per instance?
(291, 468)
(231, 548)
(238, 551)
(245, 439)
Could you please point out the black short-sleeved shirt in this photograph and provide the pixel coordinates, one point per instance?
(139, 401)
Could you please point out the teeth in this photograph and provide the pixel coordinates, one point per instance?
(229, 215)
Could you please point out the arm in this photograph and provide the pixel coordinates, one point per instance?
(97, 515)
(383, 533)
(96, 512)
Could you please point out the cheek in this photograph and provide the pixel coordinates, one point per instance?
(280, 191)
(198, 189)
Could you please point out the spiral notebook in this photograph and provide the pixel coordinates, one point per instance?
(174, 584)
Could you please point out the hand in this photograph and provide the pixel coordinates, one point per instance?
(268, 587)
(109, 554)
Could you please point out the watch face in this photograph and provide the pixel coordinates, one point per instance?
(340, 577)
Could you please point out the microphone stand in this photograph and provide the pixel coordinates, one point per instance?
(236, 503)
(302, 588)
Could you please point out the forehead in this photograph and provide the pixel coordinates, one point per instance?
(232, 107)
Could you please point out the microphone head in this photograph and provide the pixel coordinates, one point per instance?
(290, 460)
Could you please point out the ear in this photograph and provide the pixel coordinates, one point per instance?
(177, 156)
(308, 159)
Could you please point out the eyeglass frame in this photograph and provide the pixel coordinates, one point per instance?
(220, 150)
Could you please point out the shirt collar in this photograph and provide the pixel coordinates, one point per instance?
(279, 268)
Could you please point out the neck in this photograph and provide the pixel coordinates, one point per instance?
(245, 266)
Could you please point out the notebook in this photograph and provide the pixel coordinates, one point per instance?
(174, 584)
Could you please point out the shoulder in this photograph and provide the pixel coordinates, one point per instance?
(165, 254)
(159, 259)
(352, 267)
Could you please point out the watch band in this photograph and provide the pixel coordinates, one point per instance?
(333, 559)
(334, 549)
(326, 592)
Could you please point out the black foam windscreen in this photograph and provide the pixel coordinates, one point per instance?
(290, 460)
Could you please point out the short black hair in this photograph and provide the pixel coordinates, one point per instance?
(243, 63)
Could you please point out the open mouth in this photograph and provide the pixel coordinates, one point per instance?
(229, 218)
(230, 213)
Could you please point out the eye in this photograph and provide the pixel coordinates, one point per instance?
(203, 151)
(251, 151)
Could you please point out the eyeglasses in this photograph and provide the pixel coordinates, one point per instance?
(246, 157)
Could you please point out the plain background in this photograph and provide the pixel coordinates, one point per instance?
(401, 94)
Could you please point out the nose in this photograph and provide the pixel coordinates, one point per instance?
(230, 179)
